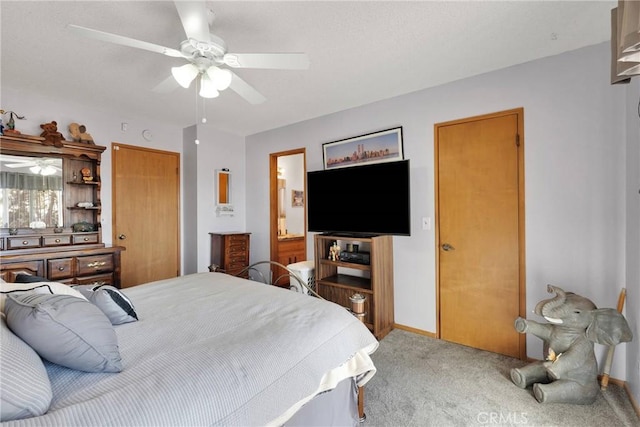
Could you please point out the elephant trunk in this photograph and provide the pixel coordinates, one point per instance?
(545, 308)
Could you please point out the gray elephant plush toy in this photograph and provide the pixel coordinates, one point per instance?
(569, 373)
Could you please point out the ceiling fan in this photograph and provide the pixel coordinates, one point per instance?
(206, 53)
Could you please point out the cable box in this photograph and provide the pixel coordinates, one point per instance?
(355, 257)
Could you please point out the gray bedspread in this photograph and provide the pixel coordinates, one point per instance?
(211, 349)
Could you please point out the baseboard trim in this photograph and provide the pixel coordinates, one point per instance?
(615, 381)
(414, 330)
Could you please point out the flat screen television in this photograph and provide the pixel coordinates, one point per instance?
(361, 200)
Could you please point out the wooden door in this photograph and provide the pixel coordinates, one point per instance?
(480, 217)
(146, 212)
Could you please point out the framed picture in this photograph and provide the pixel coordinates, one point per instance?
(377, 147)
(297, 198)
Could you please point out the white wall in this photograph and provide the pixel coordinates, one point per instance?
(217, 150)
(574, 174)
(632, 307)
(190, 200)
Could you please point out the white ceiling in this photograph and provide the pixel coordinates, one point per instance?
(360, 52)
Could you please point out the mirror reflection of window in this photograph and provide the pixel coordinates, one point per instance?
(30, 191)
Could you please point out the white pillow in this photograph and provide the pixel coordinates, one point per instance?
(35, 287)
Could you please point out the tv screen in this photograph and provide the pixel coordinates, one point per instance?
(368, 199)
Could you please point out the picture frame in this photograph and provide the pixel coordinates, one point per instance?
(297, 198)
(376, 147)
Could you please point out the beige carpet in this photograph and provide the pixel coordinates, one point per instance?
(423, 381)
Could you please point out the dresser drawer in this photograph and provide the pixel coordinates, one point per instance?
(23, 242)
(56, 240)
(9, 270)
(60, 268)
(237, 258)
(102, 279)
(237, 238)
(88, 265)
(79, 239)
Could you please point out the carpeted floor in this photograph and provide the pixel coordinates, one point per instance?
(423, 381)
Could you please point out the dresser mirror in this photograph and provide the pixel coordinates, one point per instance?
(31, 192)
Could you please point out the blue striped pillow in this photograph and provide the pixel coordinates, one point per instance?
(25, 390)
(113, 303)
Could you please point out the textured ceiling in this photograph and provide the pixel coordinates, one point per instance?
(360, 52)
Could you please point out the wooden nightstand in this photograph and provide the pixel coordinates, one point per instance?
(230, 251)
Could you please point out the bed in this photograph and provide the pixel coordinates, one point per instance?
(214, 349)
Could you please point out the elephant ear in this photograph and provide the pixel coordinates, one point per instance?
(608, 327)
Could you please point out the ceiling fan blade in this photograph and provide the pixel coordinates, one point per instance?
(167, 85)
(276, 61)
(193, 15)
(246, 91)
(124, 41)
(20, 165)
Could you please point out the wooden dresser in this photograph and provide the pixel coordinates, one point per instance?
(100, 266)
(67, 250)
(229, 251)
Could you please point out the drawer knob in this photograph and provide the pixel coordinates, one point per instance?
(25, 242)
(57, 240)
(86, 239)
(60, 268)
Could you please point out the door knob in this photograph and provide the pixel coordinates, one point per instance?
(122, 237)
(447, 247)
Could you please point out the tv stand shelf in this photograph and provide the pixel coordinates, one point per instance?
(336, 281)
(347, 281)
(364, 267)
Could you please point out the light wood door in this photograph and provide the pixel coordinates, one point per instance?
(146, 212)
(480, 240)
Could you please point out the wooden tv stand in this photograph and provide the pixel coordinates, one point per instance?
(337, 280)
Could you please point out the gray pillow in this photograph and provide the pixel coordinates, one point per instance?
(25, 390)
(66, 330)
(113, 303)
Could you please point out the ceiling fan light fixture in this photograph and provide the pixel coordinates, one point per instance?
(221, 78)
(185, 74)
(48, 170)
(208, 87)
(44, 171)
